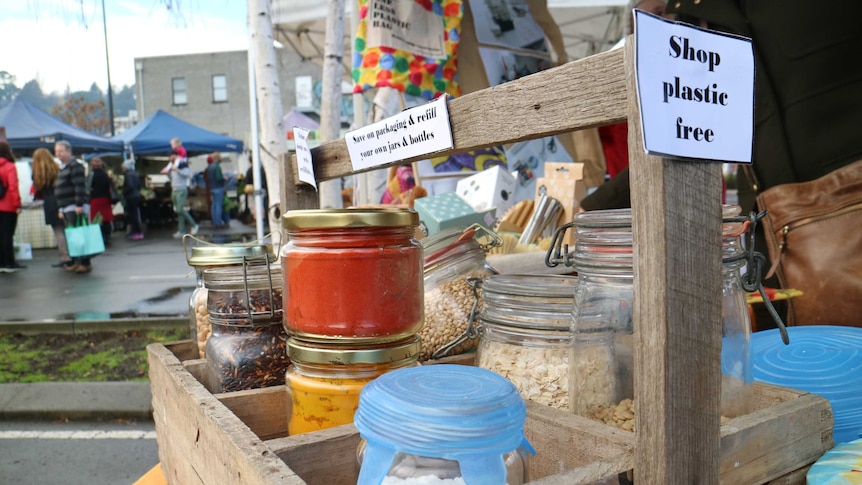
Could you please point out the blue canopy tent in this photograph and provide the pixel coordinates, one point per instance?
(29, 128)
(152, 136)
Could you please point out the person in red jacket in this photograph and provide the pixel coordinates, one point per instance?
(10, 207)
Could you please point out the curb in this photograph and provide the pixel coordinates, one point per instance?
(88, 326)
(76, 400)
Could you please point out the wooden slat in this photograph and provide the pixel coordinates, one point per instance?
(183, 349)
(200, 440)
(265, 411)
(326, 457)
(581, 94)
(677, 311)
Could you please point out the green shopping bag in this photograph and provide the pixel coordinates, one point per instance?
(83, 238)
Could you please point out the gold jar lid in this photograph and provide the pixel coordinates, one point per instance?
(338, 354)
(228, 254)
(346, 218)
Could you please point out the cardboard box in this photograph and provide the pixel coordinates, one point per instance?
(564, 182)
(491, 188)
(442, 211)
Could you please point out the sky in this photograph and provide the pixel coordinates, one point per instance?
(61, 43)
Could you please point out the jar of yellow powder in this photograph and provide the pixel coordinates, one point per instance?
(324, 380)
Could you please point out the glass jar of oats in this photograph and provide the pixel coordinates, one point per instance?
(526, 335)
(204, 256)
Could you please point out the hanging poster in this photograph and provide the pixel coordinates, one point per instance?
(503, 65)
(507, 23)
(406, 26)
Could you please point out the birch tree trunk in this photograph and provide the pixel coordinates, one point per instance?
(330, 101)
(270, 112)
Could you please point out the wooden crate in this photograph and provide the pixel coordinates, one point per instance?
(241, 437)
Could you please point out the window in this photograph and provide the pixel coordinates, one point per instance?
(178, 85)
(219, 88)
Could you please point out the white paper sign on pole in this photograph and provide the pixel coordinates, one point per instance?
(414, 132)
(303, 157)
(695, 89)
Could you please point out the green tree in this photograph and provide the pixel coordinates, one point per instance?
(32, 92)
(8, 89)
(124, 100)
(79, 112)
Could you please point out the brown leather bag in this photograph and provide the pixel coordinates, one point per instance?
(814, 235)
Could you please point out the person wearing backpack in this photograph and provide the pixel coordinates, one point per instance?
(10, 207)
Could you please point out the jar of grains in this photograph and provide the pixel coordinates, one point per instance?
(601, 382)
(248, 345)
(352, 274)
(526, 334)
(442, 424)
(324, 380)
(209, 256)
(454, 264)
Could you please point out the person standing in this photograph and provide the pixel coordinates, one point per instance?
(10, 207)
(45, 170)
(100, 198)
(72, 197)
(132, 199)
(216, 180)
(178, 168)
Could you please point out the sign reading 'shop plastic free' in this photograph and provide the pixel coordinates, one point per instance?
(695, 88)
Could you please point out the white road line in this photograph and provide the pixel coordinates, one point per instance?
(78, 435)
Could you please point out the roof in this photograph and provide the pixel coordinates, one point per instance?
(153, 136)
(29, 128)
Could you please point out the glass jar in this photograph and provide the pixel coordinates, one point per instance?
(461, 424)
(210, 256)
(324, 380)
(248, 293)
(352, 274)
(246, 355)
(601, 380)
(452, 257)
(737, 372)
(526, 334)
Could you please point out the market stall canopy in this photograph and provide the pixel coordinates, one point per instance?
(587, 26)
(152, 136)
(29, 128)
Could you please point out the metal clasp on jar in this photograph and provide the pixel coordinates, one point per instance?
(472, 331)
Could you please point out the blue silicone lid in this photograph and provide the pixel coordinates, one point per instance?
(456, 412)
(821, 359)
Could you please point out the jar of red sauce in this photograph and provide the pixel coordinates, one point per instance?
(352, 274)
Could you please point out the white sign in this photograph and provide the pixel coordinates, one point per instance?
(696, 91)
(304, 93)
(303, 157)
(418, 131)
(407, 26)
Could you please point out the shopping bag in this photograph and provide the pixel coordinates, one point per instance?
(84, 239)
(23, 251)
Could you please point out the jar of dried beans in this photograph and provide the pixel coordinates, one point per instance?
(601, 366)
(206, 256)
(248, 345)
(446, 424)
(454, 262)
(324, 380)
(526, 334)
(352, 274)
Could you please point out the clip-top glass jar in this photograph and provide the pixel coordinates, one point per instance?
(352, 274)
(461, 424)
(248, 345)
(324, 380)
(526, 334)
(210, 256)
(601, 364)
(451, 257)
(737, 373)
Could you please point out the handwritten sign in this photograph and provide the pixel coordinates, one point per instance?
(414, 132)
(303, 156)
(695, 89)
(407, 26)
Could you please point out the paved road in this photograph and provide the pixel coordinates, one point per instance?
(85, 453)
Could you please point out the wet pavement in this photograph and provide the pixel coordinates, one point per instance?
(131, 280)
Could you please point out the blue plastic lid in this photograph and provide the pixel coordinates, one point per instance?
(821, 359)
(456, 412)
